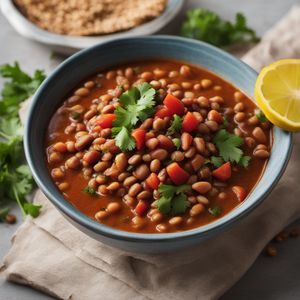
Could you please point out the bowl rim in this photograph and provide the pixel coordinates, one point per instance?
(28, 29)
(76, 216)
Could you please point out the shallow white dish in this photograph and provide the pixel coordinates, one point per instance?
(70, 44)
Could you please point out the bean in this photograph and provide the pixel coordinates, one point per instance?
(135, 159)
(55, 157)
(70, 146)
(192, 179)
(158, 124)
(162, 228)
(261, 153)
(177, 156)
(63, 186)
(199, 144)
(174, 87)
(211, 148)
(203, 200)
(203, 128)
(206, 83)
(228, 111)
(160, 73)
(163, 82)
(105, 133)
(212, 125)
(80, 134)
(176, 221)
(165, 142)
(162, 175)
(250, 142)
(129, 181)
(173, 74)
(215, 106)
(121, 161)
(102, 189)
(147, 123)
(89, 114)
(130, 201)
(109, 108)
(203, 102)
(100, 215)
(155, 165)
(144, 195)
(155, 84)
(259, 135)
(238, 132)
(123, 176)
(138, 222)
(82, 92)
(113, 207)
(186, 85)
(129, 73)
(152, 143)
(74, 99)
(157, 217)
(111, 75)
(197, 162)
(188, 167)
(148, 76)
(222, 196)
(185, 71)
(239, 107)
(217, 99)
(253, 121)
(113, 186)
(57, 173)
(238, 96)
(159, 154)
(156, 196)
(79, 155)
(186, 141)
(261, 147)
(239, 117)
(198, 116)
(93, 183)
(73, 163)
(197, 87)
(91, 157)
(202, 187)
(83, 141)
(197, 209)
(89, 84)
(187, 101)
(192, 199)
(213, 192)
(191, 152)
(101, 166)
(101, 179)
(146, 157)
(60, 147)
(142, 172)
(189, 94)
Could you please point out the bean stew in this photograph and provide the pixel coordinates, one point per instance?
(157, 146)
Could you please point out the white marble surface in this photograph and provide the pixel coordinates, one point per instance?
(268, 278)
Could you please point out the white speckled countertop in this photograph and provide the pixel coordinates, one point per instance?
(276, 278)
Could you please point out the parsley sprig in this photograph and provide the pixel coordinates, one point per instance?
(229, 149)
(207, 26)
(173, 200)
(16, 181)
(137, 105)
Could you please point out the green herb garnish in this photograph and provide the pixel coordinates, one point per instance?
(217, 161)
(173, 200)
(244, 161)
(175, 126)
(215, 211)
(89, 190)
(75, 115)
(177, 143)
(16, 181)
(207, 26)
(137, 105)
(261, 116)
(229, 147)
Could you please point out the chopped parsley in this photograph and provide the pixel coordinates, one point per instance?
(177, 143)
(261, 116)
(207, 26)
(89, 190)
(137, 105)
(175, 126)
(229, 147)
(173, 200)
(215, 211)
(16, 181)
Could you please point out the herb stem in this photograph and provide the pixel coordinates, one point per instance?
(19, 202)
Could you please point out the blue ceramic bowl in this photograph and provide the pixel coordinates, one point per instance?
(87, 62)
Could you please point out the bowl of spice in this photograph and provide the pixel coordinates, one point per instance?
(68, 26)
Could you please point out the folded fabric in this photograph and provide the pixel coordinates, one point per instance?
(49, 254)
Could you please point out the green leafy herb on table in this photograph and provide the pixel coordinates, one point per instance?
(207, 26)
(16, 181)
(138, 103)
(173, 200)
(229, 148)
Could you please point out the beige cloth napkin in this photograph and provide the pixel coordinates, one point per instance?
(51, 255)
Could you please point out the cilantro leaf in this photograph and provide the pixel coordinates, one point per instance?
(164, 205)
(32, 209)
(3, 213)
(90, 190)
(207, 26)
(123, 139)
(175, 126)
(217, 161)
(215, 211)
(228, 145)
(179, 204)
(147, 94)
(261, 116)
(244, 161)
(177, 143)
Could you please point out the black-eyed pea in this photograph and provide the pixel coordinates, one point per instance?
(197, 209)
(175, 221)
(206, 83)
(55, 157)
(259, 135)
(57, 173)
(202, 187)
(202, 199)
(113, 207)
(155, 165)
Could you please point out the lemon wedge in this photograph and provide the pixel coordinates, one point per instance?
(277, 92)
